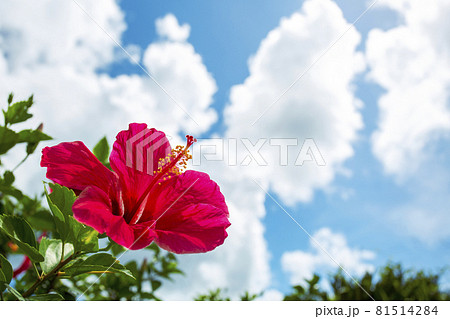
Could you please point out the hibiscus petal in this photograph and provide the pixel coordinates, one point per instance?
(136, 153)
(73, 165)
(191, 214)
(197, 229)
(95, 209)
(24, 266)
(189, 188)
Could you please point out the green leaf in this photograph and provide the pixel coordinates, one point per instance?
(117, 249)
(6, 270)
(15, 292)
(18, 112)
(63, 198)
(11, 190)
(100, 262)
(32, 136)
(8, 139)
(42, 220)
(60, 202)
(84, 238)
(133, 267)
(20, 231)
(156, 284)
(47, 297)
(8, 177)
(101, 150)
(10, 98)
(58, 217)
(51, 249)
(7, 207)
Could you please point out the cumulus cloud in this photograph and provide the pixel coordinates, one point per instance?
(181, 71)
(169, 27)
(59, 58)
(426, 216)
(321, 106)
(301, 265)
(58, 34)
(411, 62)
(271, 295)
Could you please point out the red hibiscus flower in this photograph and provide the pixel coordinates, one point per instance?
(146, 197)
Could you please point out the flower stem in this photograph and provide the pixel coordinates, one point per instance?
(21, 162)
(41, 279)
(37, 272)
(108, 247)
(93, 272)
(62, 251)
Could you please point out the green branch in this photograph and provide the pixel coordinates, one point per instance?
(52, 273)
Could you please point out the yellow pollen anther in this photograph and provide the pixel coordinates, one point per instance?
(181, 155)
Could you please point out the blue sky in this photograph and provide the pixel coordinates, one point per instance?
(394, 180)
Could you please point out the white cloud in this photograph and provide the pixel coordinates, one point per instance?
(411, 62)
(58, 33)
(321, 105)
(425, 216)
(169, 27)
(180, 70)
(271, 295)
(57, 57)
(301, 265)
(418, 223)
